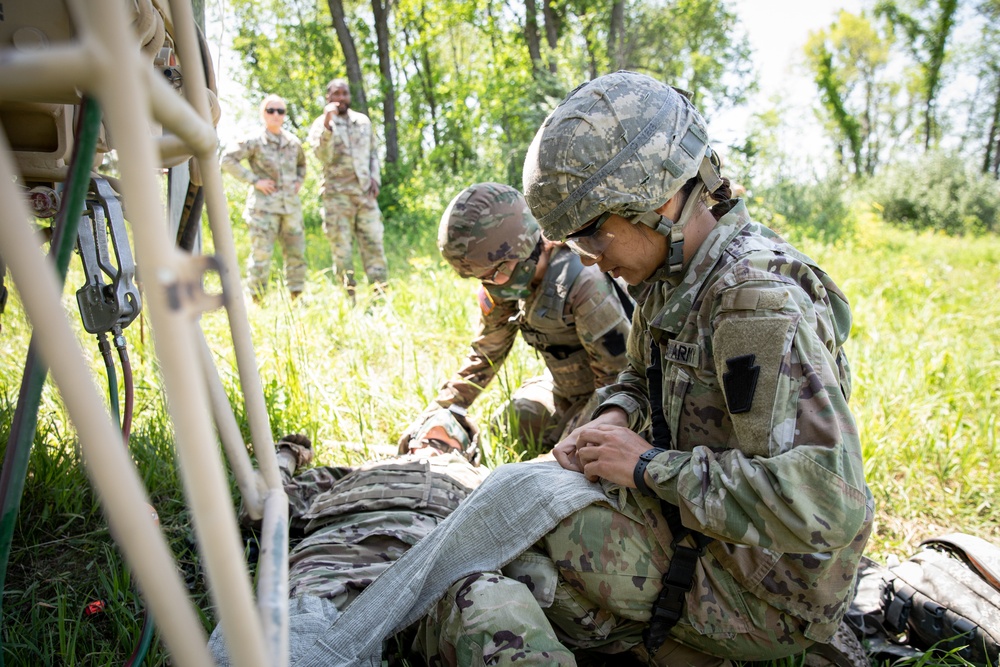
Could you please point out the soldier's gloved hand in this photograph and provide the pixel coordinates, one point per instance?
(299, 446)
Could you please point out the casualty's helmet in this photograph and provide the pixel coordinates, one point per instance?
(486, 225)
(623, 143)
(445, 421)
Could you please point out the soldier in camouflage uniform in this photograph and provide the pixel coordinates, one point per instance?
(736, 532)
(344, 143)
(570, 313)
(273, 211)
(348, 525)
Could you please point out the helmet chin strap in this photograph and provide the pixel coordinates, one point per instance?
(661, 224)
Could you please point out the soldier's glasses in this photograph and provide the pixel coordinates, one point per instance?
(591, 241)
(280, 112)
(501, 274)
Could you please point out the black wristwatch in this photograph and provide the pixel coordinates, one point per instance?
(639, 474)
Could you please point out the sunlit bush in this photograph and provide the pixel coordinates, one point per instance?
(938, 191)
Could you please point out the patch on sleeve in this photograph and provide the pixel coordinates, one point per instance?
(749, 352)
(686, 354)
(614, 342)
(746, 298)
(486, 302)
(740, 381)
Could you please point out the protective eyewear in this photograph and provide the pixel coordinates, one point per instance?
(501, 274)
(591, 241)
(280, 112)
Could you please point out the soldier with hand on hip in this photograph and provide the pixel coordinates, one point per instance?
(276, 170)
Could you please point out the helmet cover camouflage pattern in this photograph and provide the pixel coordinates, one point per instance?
(485, 225)
(445, 419)
(624, 143)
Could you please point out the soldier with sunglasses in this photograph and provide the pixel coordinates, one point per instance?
(277, 168)
(571, 314)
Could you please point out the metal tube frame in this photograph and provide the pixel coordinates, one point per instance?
(132, 96)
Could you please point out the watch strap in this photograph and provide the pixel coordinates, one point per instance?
(639, 472)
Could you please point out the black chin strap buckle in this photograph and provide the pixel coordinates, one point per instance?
(675, 258)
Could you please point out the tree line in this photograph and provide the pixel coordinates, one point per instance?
(458, 87)
(881, 75)
(463, 85)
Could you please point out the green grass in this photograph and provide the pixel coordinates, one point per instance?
(926, 380)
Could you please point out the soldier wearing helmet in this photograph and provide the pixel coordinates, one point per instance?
(734, 531)
(571, 314)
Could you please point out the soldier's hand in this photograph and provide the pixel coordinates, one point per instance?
(329, 111)
(566, 452)
(373, 190)
(609, 452)
(265, 185)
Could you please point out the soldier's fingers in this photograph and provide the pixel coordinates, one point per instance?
(567, 458)
(592, 472)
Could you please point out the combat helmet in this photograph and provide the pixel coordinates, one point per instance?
(485, 226)
(450, 420)
(625, 144)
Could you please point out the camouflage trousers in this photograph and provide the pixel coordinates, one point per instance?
(589, 587)
(348, 216)
(266, 228)
(540, 417)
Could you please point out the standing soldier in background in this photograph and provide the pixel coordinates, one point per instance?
(277, 170)
(345, 145)
(569, 313)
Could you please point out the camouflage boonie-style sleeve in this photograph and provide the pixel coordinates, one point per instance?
(323, 150)
(490, 347)
(347, 152)
(300, 164)
(275, 157)
(600, 323)
(374, 167)
(233, 158)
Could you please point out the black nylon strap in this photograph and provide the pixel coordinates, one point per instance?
(627, 304)
(654, 387)
(639, 472)
(679, 577)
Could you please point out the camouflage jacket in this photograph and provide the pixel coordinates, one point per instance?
(339, 516)
(765, 457)
(347, 152)
(278, 157)
(578, 326)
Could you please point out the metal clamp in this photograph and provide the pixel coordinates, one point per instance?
(104, 305)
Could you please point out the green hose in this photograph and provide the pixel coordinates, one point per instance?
(22, 429)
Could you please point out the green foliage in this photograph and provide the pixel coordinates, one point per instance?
(940, 191)
(805, 210)
(848, 61)
(290, 50)
(927, 24)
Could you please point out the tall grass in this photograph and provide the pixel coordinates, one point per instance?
(926, 381)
